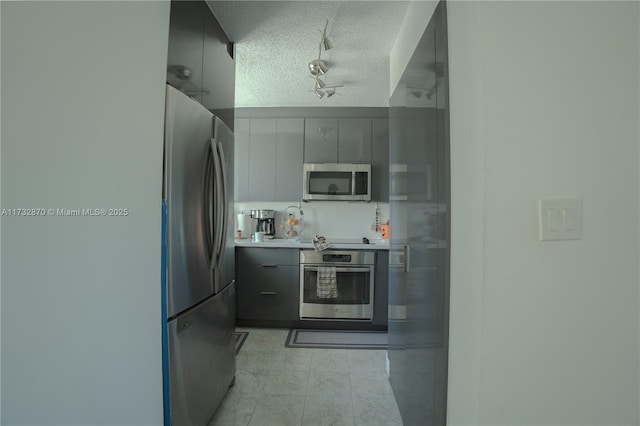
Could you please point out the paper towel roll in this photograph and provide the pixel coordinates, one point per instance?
(242, 225)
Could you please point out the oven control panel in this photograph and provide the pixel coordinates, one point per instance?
(336, 258)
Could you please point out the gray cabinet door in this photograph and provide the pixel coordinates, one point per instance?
(420, 235)
(184, 58)
(218, 70)
(268, 293)
(262, 160)
(268, 284)
(380, 160)
(289, 159)
(241, 160)
(381, 289)
(267, 256)
(320, 140)
(354, 140)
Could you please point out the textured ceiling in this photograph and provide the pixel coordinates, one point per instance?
(276, 39)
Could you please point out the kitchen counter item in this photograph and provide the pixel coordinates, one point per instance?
(242, 225)
(292, 225)
(320, 243)
(384, 231)
(265, 222)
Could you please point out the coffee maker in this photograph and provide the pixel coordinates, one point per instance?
(265, 222)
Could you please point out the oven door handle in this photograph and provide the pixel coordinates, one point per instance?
(340, 269)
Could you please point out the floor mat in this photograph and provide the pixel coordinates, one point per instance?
(241, 337)
(336, 339)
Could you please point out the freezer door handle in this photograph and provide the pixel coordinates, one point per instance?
(184, 322)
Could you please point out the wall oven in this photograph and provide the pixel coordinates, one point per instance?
(336, 284)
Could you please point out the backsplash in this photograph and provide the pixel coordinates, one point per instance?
(331, 219)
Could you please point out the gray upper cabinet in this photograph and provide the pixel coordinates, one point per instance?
(289, 153)
(320, 140)
(354, 140)
(184, 57)
(200, 59)
(380, 160)
(268, 162)
(241, 159)
(271, 150)
(345, 140)
(262, 159)
(218, 70)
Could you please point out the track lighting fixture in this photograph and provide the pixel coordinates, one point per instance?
(318, 67)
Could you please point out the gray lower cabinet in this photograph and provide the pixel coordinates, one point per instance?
(267, 287)
(381, 289)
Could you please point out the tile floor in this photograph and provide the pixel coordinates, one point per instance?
(279, 386)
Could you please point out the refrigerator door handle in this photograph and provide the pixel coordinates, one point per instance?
(223, 204)
(217, 205)
(206, 204)
(405, 258)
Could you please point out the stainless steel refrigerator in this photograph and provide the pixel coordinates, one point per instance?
(199, 297)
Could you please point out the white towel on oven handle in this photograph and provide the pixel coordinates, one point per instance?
(327, 286)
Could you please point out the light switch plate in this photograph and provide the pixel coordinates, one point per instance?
(560, 219)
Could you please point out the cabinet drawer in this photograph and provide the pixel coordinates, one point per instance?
(267, 256)
(268, 293)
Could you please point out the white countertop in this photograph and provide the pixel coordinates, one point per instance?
(338, 244)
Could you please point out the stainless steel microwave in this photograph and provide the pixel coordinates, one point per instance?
(337, 182)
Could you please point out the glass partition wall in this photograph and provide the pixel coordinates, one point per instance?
(420, 231)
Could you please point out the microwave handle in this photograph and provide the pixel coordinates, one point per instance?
(353, 183)
(405, 258)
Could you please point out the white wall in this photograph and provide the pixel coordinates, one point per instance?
(82, 127)
(0, 220)
(544, 103)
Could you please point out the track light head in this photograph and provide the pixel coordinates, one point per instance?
(326, 43)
